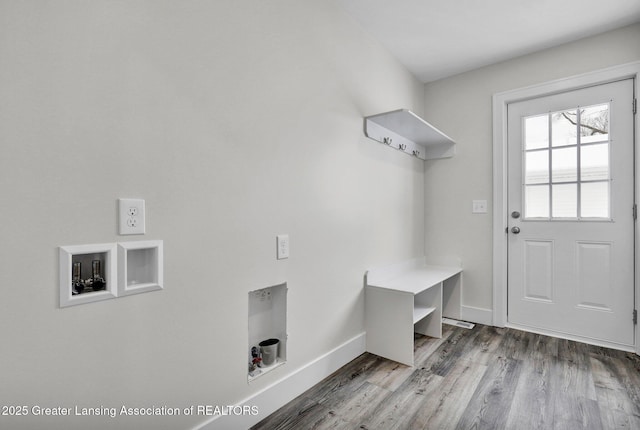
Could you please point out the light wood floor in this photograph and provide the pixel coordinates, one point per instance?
(485, 378)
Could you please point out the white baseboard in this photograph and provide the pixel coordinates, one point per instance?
(476, 315)
(276, 395)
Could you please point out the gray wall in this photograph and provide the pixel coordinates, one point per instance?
(235, 121)
(462, 107)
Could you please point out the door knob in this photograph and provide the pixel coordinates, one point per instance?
(515, 230)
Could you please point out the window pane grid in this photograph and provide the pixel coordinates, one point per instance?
(566, 174)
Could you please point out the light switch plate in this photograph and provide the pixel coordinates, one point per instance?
(282, 243)
(131, 216)
(479, 207)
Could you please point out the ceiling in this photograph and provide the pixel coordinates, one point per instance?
(439, 38)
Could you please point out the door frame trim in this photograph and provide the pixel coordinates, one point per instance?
(500, 221)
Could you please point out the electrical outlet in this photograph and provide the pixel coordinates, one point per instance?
(282, 243)
(131, 216)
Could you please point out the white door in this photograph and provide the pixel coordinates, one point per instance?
(571, 214)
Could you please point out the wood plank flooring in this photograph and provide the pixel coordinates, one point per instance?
(484, 378)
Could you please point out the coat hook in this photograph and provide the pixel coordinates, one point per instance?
(387, 140)
(416, 152)
(402, 146)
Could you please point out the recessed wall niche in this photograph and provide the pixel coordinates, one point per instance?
(87, 273)
(267, 327)
(90, 273)
(140, 267)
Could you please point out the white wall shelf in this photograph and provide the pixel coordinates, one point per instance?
(409, 297)
(404, 130)
(268, 320)
(87, 273)
(140, 265)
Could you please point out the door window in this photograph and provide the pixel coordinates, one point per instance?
(566, 164)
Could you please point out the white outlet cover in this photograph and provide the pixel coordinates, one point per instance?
(131, 216)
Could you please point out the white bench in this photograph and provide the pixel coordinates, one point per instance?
(408, 297)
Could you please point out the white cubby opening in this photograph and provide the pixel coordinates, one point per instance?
(140, 266)
(268, 320)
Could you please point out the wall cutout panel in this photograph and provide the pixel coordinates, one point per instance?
(267, 330)
(90, 273)
(140, 266)
(87, 273)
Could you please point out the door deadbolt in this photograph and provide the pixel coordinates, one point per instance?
(515, 214)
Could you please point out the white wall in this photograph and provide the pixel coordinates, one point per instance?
(235, 121)
(461, 107)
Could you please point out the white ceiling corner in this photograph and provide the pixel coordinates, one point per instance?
(439, 38)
